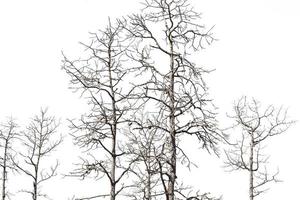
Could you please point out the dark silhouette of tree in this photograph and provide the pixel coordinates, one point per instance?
(40, 140)
(166, 35)
(101, 78)
(256, 125)
(8, 134)
(145, 147)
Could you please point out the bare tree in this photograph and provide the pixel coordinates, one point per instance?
(7, 135)
(145, 146)
(167, 33)
(148, 147)
(40, 140)
(101, 79)
(256, 125)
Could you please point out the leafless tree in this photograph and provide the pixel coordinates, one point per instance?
(101, 79)
(166, 35)
(7, 135)
(256, 125)
(148, 147)
(145, 146)
(40, 140)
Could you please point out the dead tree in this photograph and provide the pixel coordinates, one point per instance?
(145, 146)
(40, 140)
(256, 125)
(166, 34)
(101, 78)
(148, 149)
(145, 170)
(7, 135)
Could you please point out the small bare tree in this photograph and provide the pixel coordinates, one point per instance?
(167, 33)
(148, 149)
(257, 126)
(101, 79)
(40, 140)
(145, 146)
(7, 135)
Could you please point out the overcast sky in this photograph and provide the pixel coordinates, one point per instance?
(257, 54)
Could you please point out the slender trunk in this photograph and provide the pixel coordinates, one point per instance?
(37, 164)
(251, 187)
(171, 185)
(35, 181)
(148, 192)
(4, 172)
(114, 130)
(148, 184)
(113, 169)
(113, 166)
(34, 195)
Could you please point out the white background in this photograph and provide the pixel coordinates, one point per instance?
(256, 55)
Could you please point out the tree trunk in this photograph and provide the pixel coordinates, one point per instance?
(35, 180)
(4, 172)
(113, 172)
(148, 188)
(114, 130)
(171, 185)
(113, 167)
(148, 184)
(34, 195)
(251, 187)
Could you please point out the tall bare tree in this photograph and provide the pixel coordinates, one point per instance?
(40, 140)
(7, 135)
(167, 33)
(256, 125)
(101, 79)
